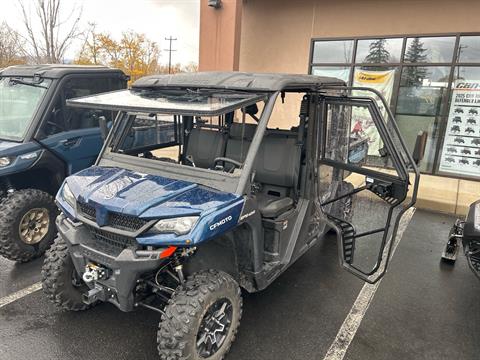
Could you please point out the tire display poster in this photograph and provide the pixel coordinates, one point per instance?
(461, 146)
(362, 121)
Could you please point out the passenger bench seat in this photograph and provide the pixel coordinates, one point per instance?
(276, 168)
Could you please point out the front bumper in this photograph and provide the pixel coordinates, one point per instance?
(125, 267)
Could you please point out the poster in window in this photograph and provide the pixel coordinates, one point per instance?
(461, 146)
(362, 121)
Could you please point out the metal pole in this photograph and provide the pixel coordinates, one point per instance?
(170, 39)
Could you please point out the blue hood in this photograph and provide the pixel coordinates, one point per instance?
(155, 197)
(144, 195)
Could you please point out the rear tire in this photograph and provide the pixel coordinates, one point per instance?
(60, 281)
(19, 240)
(208, 300)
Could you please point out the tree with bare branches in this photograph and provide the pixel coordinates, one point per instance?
(92, 50)
(12, 47)
(48, 32)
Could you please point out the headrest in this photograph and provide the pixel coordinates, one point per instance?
(248, 132)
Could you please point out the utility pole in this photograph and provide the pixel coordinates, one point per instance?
(170, 50)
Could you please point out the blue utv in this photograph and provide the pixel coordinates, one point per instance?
(209, 183)
(41, 142)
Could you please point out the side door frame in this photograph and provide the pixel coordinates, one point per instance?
(403, 163)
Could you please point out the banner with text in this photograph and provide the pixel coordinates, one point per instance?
(362, 122)
(461, 145)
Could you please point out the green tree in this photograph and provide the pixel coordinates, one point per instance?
(416, 53)
(378, 52)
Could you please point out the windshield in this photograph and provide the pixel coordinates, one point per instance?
(181, 133)
(19, 99)
(170, 101)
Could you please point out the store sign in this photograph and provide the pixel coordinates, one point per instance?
(362, 121)
(461, 146)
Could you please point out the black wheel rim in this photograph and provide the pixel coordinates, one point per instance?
(214, 327)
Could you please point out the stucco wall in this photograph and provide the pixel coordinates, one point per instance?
(276, 34)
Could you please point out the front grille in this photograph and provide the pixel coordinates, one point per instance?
(115, 220)
(125, 222)
(109, 242)
(88, 211)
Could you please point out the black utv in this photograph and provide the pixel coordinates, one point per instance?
(209, 183)
(42, 142)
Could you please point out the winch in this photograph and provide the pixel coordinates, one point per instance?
(94, 273)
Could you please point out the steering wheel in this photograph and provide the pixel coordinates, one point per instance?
(236, 164)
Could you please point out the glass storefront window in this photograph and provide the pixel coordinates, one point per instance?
(339, 72)
(429, 49)
(422, 89)
(467, 73)
(435, 76)
(378, 51)
(421, 96)
(469, 49)
(336, 51)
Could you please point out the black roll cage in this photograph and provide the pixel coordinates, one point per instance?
(239, 184)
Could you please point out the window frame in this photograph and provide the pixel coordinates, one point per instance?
(452, 64)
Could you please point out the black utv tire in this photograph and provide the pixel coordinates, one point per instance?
(12, 210)
(189, 308)
(60, 281)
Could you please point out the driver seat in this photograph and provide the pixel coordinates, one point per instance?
(205, 146)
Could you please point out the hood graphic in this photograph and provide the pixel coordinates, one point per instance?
(144, 195)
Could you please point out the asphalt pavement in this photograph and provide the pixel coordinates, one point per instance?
(423, 309)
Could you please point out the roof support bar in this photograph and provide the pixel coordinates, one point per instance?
(255, 145)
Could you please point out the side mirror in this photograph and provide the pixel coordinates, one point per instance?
(102, 122)
(420, 145)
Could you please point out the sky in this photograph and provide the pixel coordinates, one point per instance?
(157, 19)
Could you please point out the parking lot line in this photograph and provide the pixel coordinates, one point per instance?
(352, 322)
(20, 294)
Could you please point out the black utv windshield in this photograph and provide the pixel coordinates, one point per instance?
(19, 100)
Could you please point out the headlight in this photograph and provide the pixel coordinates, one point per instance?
(5, 161)
(68, 196)
(179, 226)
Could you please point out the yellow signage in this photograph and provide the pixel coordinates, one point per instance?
(371, 77)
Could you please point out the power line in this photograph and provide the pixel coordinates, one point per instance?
(170, 50)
